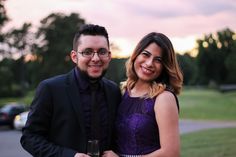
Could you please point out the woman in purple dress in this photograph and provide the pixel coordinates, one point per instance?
(147, 122)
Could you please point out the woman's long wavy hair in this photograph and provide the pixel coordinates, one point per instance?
(171, 77)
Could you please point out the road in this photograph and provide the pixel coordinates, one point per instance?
(187, 126)
(10, 143)
(10, 139)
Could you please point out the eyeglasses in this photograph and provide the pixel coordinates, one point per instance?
(89, 53)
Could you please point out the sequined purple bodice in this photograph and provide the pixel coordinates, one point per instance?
(136, 127)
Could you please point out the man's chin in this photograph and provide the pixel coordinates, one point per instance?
(94, 77)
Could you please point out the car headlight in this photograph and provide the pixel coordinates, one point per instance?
(17, 118)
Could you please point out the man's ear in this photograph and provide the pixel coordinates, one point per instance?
(110, 56)
(73, 56)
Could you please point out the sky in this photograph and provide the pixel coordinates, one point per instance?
(127, 21)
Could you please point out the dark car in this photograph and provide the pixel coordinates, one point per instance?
(8, 113)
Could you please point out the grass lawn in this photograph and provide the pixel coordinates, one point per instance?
(209, 143)
(207, 105)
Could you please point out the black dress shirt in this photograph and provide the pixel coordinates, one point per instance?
(84, 86)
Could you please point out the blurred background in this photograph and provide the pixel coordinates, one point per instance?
(36, 40)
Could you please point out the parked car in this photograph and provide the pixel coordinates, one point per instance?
(8, 113)
(20, 120)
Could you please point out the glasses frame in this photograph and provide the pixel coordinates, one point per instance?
(92, 55)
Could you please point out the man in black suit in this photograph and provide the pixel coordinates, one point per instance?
(70, 109)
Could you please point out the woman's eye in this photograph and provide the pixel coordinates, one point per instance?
(157, 59)
(145, 54)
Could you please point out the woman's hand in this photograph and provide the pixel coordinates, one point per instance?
(109, 153)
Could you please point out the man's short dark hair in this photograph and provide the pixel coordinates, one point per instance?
(89, 29)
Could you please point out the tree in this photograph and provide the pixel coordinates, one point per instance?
(231, 66)
(6, 77)
(227, 46)
(211, 59)
(116, 70)
(56, 33)
(8, 84)
(188, 67)
(3, 17)
(3, 20)
(20, 43)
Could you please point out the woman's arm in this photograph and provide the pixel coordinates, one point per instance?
(167, 118)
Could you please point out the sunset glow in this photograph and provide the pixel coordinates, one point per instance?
(128, 21)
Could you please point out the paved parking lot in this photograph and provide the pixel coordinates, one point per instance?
(187, 126)
(10, 143)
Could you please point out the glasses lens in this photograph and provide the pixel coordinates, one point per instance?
(87, 53)
(103, 52)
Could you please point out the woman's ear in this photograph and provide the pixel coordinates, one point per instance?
(73, 56)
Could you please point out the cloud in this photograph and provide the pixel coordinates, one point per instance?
(214, 7)
(129, 20)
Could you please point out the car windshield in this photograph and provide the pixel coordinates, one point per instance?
(6, 108)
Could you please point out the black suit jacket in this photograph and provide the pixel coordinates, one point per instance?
(55, 125)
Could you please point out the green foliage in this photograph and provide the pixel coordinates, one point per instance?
(215, 63)
(19, 43)
(32, 77)
(230, 63)
(207, 104)
(188, 67)
(210, 143)
(26, 99)
(3, 18)
(8, 79)
(57, 32)
(5, 80)
(116, 71)
(211, 59)
(19, 38)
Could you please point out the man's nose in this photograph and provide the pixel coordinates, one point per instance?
(95, 57)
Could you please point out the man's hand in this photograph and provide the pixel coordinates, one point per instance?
(81, 155)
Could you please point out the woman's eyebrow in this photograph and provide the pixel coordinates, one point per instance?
(151, 54)
(147, 51)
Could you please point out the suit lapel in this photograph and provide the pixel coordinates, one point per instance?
(74, 96)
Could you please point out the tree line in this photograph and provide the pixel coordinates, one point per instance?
(27, 57)
(215, 63)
